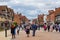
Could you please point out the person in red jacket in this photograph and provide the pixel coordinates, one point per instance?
(45, 27)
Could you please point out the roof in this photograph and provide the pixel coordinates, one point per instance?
(3, 7)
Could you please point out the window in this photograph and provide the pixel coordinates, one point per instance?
(58, 18)
(4, 15)
(1, 24)
(3, 10)
(8, 12)
(0, 13)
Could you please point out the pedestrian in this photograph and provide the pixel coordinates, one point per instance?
(48, 27)
(25, 25)
(45, 27)
(38, 26)
(22, 26)
(59, 27)
(52, 27)
(18, 28)
(56, 27)
(13, 31)
(34, 28)
(27, 30)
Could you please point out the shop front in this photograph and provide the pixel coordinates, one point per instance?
(57, 18)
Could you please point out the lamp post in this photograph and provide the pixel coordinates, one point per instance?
(6, 23)
(5, 28)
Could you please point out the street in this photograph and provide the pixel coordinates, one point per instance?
(40, 35)
(42, 16)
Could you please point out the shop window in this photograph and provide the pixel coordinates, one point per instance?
(57, 17)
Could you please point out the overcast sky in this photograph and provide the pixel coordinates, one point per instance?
(31, 8)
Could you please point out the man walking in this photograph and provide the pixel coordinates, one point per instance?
(34, 28)
(48, 27)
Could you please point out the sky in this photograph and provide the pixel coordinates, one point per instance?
(31, 8)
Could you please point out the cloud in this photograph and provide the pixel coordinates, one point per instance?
(5, 0)
(30, 18)
(32, 12)
(31, 8)
(3, 3)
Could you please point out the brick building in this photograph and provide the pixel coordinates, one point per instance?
(35, 20)
(6, 14)
(16, 18)
(10, 14)
(24, 19)
(51, 16)
(41, 19)
(54, 16)
(19, 18)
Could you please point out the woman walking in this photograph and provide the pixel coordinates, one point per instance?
(13, 31)
(52, 27)
(18, 29)
(28, 30)
(59, 27)
(45, 27)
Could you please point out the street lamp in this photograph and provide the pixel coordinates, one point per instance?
(6, 23)
(5, 28)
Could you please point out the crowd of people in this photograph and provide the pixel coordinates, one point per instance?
(28, 26)
(52, 27)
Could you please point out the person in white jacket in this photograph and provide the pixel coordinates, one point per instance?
(18, 29)
(51, 27)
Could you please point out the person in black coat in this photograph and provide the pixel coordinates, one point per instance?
(13, 31)
(28, 30)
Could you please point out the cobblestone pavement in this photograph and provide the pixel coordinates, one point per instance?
(40, 35)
